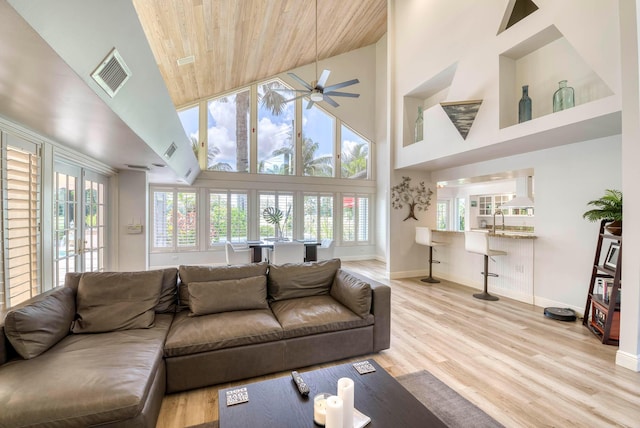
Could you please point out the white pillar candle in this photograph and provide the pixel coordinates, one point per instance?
(334, 412)
(346, 392)
(320, 408)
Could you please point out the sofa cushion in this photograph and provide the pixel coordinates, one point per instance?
(168, 295)
(213, 297)
(34, 328)
(352, 292)
(293, 280)
(190, 335)
(168, 302)
(85, 379)
(316, 314)
(110, 301)
(190, 274)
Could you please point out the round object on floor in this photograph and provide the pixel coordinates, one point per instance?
(560, 314)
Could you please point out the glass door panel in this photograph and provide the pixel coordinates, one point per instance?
(93, 233)
(65, 226)
(79, 221)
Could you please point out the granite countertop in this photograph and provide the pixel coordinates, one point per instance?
(499, 234)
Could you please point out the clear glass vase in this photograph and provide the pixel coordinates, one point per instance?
(419, 132)
(524, 106)
(563, 98)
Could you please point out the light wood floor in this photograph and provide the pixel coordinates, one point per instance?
(520, 367)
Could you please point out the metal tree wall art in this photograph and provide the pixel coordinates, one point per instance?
(416, 198)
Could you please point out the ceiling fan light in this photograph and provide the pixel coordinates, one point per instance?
(316, 97)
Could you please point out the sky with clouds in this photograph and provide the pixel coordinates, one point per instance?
(274, 131)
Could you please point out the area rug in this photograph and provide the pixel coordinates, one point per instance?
(449, 406)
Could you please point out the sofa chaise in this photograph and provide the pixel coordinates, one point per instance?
(105, 348)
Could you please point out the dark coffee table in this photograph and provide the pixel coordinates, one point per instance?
(277, 403)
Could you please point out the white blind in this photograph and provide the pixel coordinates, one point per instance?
(238, 216)
(21, 214)
(363, 219)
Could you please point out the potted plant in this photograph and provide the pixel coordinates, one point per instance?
(609, 208)
(275, 216)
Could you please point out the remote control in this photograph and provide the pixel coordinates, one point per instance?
(303, 388)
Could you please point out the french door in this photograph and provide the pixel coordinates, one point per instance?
(79, 225)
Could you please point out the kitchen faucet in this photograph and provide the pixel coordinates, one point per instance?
(494, 219)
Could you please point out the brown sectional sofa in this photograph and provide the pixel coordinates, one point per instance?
(131, 337)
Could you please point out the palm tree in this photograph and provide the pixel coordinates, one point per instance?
(268, 98)
(242, 135)
(354, 161)
(212, 152)
(287, 151)
(212, 165)
(320, 166)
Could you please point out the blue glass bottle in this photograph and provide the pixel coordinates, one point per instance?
(524, 107)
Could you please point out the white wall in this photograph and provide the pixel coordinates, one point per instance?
(567, 177)
(382, 150)
(405, 257)
(435, 36)
(132, 209)
(629, 352)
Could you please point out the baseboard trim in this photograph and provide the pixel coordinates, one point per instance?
(408, 274)
(355, 258)
(545, 303)
(628, 361)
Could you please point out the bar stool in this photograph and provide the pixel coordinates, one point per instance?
(478, 242)
(424, 237)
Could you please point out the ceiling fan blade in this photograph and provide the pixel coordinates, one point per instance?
(306, 94)
(323, 79)
(330, 101)
(290, 90)
(311, 102)
(342, 94)
(302, 82)
(342, 85)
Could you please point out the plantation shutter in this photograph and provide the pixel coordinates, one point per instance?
(21, 220)
(363, 219)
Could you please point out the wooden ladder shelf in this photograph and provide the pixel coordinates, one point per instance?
(602, 311)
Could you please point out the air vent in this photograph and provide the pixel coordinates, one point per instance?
(112, 73)
(171, 150)
(186, 60)
(188, 173)
(141, 167)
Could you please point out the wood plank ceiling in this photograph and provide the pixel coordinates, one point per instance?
(238, 42)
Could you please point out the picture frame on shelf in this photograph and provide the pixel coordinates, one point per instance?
(611, 260)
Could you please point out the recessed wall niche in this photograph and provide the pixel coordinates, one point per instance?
(516, 11)
(427, 95)
(541, 62)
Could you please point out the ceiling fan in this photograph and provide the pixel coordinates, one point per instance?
(317, 91)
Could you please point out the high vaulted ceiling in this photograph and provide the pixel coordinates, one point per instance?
(238, 42)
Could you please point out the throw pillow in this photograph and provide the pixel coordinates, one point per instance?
(168, 293)
(109, 301)
(189, 274)
(293, 280)
(36, 327)
(352, 292)
(228, 295)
